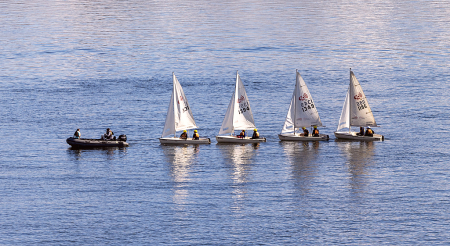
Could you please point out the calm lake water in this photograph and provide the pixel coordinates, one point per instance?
(98, 64)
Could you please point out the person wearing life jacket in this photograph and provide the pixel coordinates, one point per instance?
(305, 132)
(369, 132)
(361, 131)
(108, 135)
(184, 135)
(315, 132)
(195, 136)
(77, 134)
(242, 134)
(255, 133)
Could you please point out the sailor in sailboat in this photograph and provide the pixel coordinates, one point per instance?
(179, 117)
(369, 132)
(302, 113)
(356, 112)
(196, 136)
(305, 132)
(238, 117)
(315, 132)
(255, 133)
(184, 135)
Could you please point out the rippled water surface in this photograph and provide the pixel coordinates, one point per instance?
(98, 64)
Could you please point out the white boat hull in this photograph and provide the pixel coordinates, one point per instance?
(233, 139)
(292, 137)
(179, 141)
(354, 136)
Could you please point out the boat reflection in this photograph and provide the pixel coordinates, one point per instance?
(109, 152)
(180, 159)
(359, 159)
(302, 157)
(238, 161)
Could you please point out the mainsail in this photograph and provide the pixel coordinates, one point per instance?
(239, 114)
(356, 110)
(302, 110)
(179, 116)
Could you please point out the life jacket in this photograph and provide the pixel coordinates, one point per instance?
(255, 135)
(183, 135)
(305, 132)
(242, 134)
(316, 132)
(196, 136)
(77, 134)
(369, 132)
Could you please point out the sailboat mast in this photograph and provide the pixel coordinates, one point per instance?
(295, 98)
(173, 103)
(349, 109)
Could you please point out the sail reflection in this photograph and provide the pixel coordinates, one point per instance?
(238, 160)
(302, 156)
(360, 159)
(180, 159)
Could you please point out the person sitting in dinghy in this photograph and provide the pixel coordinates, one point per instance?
(361, 131)
(77, 134)
(305, 132)
(255, 133)
(315, 132)
(183, 135)
(242, 134)
(369, 132)
(108, 135)
(195, 136)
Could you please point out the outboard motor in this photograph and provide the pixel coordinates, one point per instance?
(122, 137)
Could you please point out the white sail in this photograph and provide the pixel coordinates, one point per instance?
(239, 114)
(179, 116)
(289, 122)
(360, 112)
(302, 111)
(344, 121)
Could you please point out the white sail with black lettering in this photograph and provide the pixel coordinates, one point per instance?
(302, 110)
(179, 115)
(239, 114)
(360, 112)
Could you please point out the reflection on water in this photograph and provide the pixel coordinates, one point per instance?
(359, 159)
(109, 152)
(238, 161)
(180, 159)
(302, 156)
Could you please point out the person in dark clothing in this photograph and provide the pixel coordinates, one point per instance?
(195, 136)
(361, 131)
(77, 134)
(108, 135)
(305, 132)
(369, 132)
(255, 133)
(184, 135)
(315, 132)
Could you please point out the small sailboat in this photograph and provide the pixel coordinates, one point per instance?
(179, 117)
(238, 117)
(302, 113)
(356, 112)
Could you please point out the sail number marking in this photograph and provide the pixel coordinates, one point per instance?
(186, 108)
(361, 104)
(243, 107)
(308, 104)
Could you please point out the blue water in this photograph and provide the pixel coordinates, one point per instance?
(96, 64)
